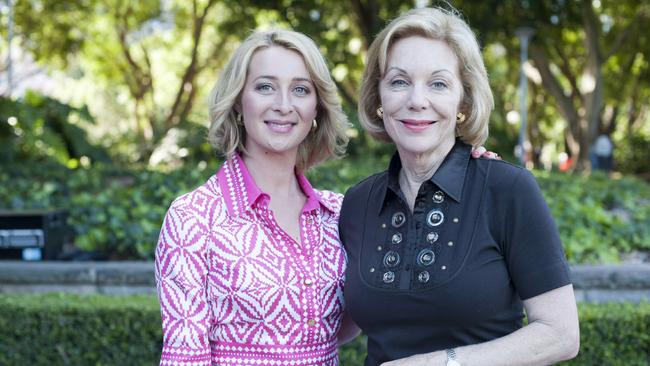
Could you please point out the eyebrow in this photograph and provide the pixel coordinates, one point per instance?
(402, 71)
(275, 78)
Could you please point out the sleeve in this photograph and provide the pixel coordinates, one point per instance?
(181, 267)
(533, 247)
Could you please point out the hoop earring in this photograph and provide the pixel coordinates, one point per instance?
(460, 117)
(314, 125)
(380, 112)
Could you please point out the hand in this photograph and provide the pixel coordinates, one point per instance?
(481, 152)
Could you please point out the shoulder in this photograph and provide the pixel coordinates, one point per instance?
(331, 200)
(200, 202)
(364, 187)
(502, 175)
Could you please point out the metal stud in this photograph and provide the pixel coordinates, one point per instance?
(451, 244)
(438, 197)
(455, 220)
(379, 248)
(435, 218)
(424, 276)
(391, 259)
(372, 269)
(389, 277)
(426, 257)
(398, 219)
(432, 237)
(397, 238)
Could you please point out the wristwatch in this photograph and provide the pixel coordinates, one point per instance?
(451, 357)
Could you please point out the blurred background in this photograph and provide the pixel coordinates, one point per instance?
(103, 108)
(103, 122)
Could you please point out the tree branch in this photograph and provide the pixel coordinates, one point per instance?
(187, 81)
(552, 84)
(622, 37)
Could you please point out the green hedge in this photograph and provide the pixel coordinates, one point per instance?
(119, 212)
(65, 329)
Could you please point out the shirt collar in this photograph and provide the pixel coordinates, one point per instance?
(450, 176)
(240, 192)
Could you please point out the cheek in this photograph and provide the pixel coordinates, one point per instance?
(309, 109)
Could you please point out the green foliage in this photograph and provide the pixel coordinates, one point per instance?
(614, 334)
(39, 128)
(119, 212)
(631, 155)
(66, 329)
(598, 217)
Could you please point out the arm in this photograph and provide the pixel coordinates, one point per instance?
(181, 274)
(552, 335)
(349, 330)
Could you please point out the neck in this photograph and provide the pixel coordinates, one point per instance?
(419, 167)
(274, 174)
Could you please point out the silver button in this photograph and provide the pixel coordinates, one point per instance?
(426, 257)
(398, 219)
(391, 259)
(435, 218)
(432, 237)
(389, 277)
(423, 277)
(438, 197)
(397, 238)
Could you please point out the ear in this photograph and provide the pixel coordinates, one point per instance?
(237, 107)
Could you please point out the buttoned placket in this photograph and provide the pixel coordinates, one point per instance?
(306, 259)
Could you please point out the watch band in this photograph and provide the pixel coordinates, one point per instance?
(451, 357)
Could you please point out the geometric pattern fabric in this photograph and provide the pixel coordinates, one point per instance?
(235, 289)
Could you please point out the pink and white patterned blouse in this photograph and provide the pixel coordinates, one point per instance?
(236, 290)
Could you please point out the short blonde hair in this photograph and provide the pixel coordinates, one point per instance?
(443, 25)
(328, 140)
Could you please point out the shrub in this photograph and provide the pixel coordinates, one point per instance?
(119, 212)
(66, 329)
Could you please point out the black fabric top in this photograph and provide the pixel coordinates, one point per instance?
(453, 272)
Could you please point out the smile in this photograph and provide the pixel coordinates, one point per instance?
(280, 126)
(417, 124)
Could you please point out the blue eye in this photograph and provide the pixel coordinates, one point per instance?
(301, 90)
(439, 85)
(264, 87)
(398, 83)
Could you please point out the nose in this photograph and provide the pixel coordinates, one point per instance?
(417, 100)
(283, 103)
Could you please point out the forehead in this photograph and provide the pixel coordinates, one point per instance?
(278, 62)
(417, 53)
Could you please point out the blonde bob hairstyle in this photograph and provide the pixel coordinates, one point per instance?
(438, 24)
(328, 140)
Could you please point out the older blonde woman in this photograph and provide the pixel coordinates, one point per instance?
(446, 252)
(249, 267)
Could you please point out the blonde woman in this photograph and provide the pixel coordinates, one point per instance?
(249, 267)
(445, 252)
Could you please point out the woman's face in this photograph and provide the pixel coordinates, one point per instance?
(278, 102)
(420, 93)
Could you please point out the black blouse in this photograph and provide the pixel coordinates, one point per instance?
(480, 239)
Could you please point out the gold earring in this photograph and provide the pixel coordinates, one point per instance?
(380, 112)
(460, 117)
(239, 118)
(314, 124)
